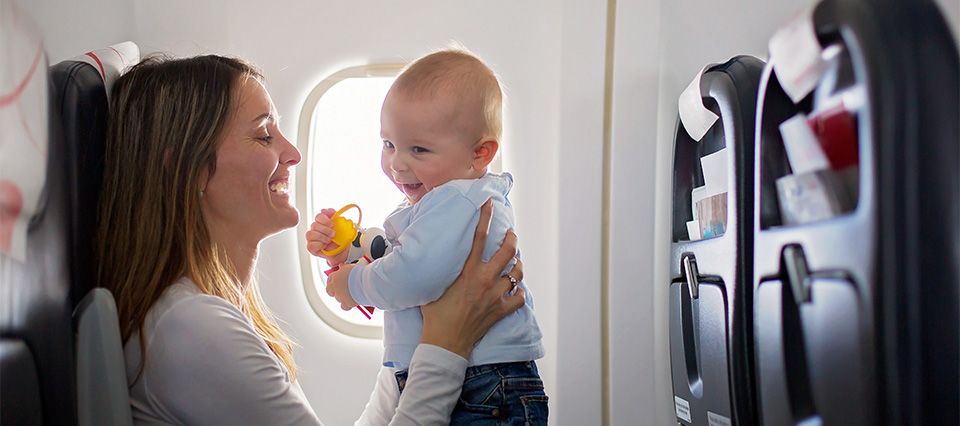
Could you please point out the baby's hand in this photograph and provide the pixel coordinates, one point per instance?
(338, 286)
(320, 237)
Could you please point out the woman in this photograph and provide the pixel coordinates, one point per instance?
(196, 177)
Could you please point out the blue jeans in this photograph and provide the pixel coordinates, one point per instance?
(508, 393)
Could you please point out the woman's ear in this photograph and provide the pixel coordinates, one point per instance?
(483, 153)
(203, 178)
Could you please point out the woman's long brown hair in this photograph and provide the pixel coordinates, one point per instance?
(166, 119)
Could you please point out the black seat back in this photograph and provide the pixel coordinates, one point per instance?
(80, 102)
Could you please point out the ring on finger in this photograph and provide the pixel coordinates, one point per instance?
(513, 281)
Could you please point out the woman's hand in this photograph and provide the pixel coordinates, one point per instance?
(478, 298)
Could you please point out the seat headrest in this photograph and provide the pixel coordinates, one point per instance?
(111, 62)
(80, 102)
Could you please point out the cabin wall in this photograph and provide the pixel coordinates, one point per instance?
(632, 357)
(71, 28)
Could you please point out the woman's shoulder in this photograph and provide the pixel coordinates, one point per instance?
(189, 332)
(183, 310)
(206, 363)
(183, 293)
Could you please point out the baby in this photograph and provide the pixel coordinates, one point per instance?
(441, 125)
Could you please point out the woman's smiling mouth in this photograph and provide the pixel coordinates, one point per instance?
(279, 186)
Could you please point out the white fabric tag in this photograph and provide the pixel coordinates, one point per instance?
(694, 116)
(111, 62)
(795, 54)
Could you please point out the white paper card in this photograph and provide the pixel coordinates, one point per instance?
(795, 56)
(803, 149)
(714, 419)
(694, 116)
(693, 230)
(697, 194)
(851, 100)
(23, 127)
(683, 408)
(714, 168)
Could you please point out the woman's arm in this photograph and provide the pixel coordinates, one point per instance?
(453, 324)
(383, 401)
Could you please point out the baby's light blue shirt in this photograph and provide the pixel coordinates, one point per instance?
(431, 240)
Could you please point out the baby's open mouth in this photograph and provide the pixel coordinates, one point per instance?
(410, 189)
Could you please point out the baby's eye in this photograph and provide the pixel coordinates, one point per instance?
(419, 150)
(387, 145)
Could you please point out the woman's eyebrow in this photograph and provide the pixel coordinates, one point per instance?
(265, 116)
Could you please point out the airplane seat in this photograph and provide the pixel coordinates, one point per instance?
(82, 88)
(80, 101)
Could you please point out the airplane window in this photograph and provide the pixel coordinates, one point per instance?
(340, 133)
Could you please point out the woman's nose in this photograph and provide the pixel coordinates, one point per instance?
(290, 155)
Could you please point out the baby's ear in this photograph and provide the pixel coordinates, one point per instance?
(484, 152)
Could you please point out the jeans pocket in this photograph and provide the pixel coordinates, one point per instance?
(502, 394)
(479, 405)
(482, 392)
(528, 400)
(535, 410)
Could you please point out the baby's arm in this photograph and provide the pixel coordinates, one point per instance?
(429, 255)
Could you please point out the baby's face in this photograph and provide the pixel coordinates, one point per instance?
(426, 143)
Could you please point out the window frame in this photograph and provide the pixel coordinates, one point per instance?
(310, 276)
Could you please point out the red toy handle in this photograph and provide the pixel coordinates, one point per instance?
(367, 311)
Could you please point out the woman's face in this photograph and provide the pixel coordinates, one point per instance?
(246, 199)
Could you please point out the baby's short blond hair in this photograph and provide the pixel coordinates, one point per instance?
(457, 72)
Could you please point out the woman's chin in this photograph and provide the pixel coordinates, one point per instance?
(291, 217)
(287, 217)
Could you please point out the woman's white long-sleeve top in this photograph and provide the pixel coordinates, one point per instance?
(206, 365)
